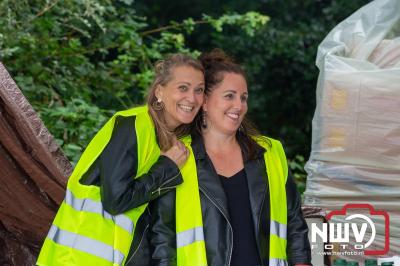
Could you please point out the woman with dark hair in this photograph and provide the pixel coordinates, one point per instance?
(132, 160)
(242, 207)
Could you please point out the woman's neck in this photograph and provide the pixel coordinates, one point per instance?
(224, 152)
(218, 142)
(171, 125)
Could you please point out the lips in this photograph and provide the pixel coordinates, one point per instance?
(233, 116)
(186, 108)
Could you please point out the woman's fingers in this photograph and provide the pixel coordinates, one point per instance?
(177, 153)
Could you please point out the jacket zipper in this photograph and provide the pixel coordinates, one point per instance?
(258, 226)
(141, 240)
(160, 187)
(230, 253)
(166, 188)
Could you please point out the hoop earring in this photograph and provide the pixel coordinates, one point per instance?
(241, 128)
(204, 119)
(158, 105)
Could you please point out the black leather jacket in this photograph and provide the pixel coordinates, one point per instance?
(114, 171)
(217, 232)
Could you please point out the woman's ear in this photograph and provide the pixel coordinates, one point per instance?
(205, 103)
(159, 92)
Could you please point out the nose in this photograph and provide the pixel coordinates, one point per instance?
(238, 104)
(191, 96)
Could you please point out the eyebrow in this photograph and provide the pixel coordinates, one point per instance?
(232, 91)
(188, 83)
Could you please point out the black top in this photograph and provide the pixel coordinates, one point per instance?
(244, 242)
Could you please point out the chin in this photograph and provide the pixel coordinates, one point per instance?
(234, 127)
(230, 130)
(186, 120)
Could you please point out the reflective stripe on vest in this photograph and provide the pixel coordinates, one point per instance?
(83, 233)
(278, 229)
(189, 236)
(278, 262)
(88, 205)
(189, 224)
(85, 244)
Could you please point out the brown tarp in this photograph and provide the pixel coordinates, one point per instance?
(33, 175)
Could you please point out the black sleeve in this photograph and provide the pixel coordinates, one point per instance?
(162, 230)
(116, 168)
(298, 244)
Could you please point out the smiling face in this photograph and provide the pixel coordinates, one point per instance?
(226, 104)
(182, 96)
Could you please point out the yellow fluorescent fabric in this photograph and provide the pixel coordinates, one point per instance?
(83, 233)
(189, 223)
(276, 164)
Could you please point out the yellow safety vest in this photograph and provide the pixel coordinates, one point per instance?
(191, 249)
(83, 233)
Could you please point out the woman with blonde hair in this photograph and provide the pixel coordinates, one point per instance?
(132, 160)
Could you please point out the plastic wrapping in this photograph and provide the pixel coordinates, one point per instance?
(355, 155)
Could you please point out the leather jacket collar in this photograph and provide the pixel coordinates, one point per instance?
(199, 149)
(210, 184)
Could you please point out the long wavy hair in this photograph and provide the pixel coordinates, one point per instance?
(216, 63)
(163, 74)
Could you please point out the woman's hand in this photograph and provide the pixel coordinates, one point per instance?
(177, 153)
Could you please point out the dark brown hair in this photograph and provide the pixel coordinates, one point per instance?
(163, 74)
(216, 63)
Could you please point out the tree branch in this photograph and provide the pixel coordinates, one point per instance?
(47, 8)
(148, 32)
(144, 33)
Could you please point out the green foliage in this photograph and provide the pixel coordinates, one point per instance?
(248, 22)
(74, 119)
(79, 61)
(279, 60)
(296, 166)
